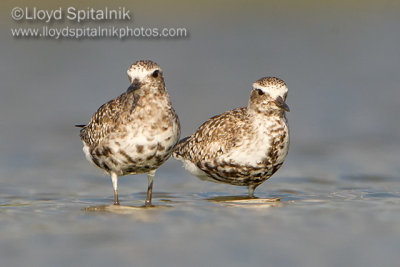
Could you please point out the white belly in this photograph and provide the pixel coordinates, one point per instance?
(196, 171)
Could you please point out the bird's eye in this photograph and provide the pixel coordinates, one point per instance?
(260, 92)
(155, 73)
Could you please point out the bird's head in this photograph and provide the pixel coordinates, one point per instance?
(144, 72)
(269, 95)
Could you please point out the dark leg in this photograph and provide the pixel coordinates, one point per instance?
(251, 190)
(116, 201)
(150, 177)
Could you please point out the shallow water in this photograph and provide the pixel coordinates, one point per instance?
(315, 223)
(339, 189)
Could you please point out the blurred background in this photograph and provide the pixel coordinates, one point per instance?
(340, 185)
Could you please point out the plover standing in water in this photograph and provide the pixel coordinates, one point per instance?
(135, 132)
(244, 146)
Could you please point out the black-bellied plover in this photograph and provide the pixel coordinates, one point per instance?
(135, 132)
(243, 146)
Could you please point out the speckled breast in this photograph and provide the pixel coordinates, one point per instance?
(136, 149)
(259, 160)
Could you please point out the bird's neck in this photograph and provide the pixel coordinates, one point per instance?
(151, 96)
(255, 110)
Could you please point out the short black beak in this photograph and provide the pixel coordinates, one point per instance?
(134, 86)
(281, 103)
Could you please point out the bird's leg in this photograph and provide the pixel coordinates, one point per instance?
(114, 179)
(150, 177)
(251, 190)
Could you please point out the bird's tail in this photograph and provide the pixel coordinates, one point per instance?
(80, 125)
(176, 154)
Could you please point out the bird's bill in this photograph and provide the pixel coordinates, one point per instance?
(135, 85)
(281, 104)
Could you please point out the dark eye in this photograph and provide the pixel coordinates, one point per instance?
(260, 92)
(155, 73)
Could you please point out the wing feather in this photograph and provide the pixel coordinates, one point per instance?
(104, 120)
(215, 137)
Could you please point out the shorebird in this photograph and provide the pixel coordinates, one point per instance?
(243, 146)
(135, 132)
